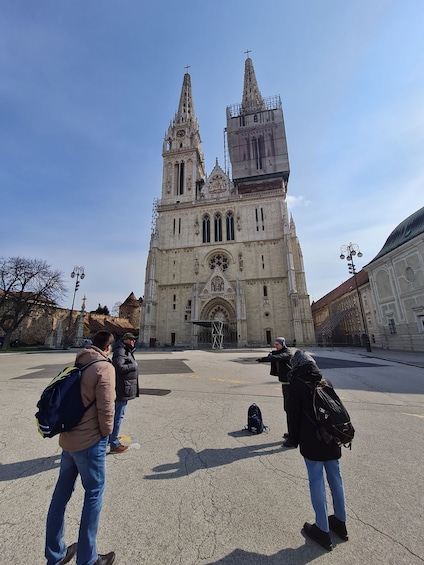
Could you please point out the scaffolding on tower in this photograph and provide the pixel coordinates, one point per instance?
(154, 216)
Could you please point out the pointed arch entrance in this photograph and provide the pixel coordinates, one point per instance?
(218, 324)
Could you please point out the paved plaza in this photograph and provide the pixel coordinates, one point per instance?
(195, 489)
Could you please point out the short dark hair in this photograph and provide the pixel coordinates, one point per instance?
(103, 339)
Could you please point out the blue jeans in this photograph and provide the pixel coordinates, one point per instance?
(120, 407)
(317, 489)
(90, 464)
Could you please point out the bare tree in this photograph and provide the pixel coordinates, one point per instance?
(26, 285)
(115, 309)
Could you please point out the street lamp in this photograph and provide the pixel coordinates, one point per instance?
(348, 252)
(78, 272)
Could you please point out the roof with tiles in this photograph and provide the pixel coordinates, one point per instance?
(344, 288)
(116, 326)
(131, 301)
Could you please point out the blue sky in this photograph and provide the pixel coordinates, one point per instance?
(88, 88)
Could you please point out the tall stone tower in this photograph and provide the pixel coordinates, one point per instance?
(225, 267)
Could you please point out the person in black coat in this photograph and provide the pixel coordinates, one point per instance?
(126, 369)
(318, 454)
(280, 367)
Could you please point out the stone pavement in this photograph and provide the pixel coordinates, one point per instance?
(195, 489)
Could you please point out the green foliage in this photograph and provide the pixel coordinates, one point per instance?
(102, 310)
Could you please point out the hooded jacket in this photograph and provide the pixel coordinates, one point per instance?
(126, 372)
(300, 414)
(97, 383)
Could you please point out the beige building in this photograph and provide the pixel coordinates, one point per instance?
(391, 287)
(396, 276)
(338, 316)
(225, 267)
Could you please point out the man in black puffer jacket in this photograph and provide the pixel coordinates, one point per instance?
(280, 367)
(126, 368)
(318, 454)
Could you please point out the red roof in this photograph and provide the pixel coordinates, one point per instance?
(344, 288)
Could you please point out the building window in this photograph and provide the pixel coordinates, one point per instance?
(218, 226)
(206, 228)
(218, 260)
(409, 274)
(265, 290)
(258, 151)
(179, 178)
(229, 220)
(392, 326)
(260, 219)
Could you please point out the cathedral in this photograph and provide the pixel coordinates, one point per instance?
(225, 267)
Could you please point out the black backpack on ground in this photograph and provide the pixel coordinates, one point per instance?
(255, 424)
(331, 417)
(60, 407)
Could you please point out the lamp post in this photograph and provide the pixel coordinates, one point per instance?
(78, 272)
(348, 252)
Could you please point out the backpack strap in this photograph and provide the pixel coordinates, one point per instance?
(311, 385)
(92, 363)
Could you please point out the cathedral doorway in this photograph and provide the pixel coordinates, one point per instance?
(218, 325)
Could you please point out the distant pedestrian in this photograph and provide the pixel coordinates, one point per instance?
(126, 368)
(84, 454)
(318, 454)
(280, 367)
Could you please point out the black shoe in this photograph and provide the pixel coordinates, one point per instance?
(286, 435)
(321, 537)
(287, 443)
(107, 559)
(70, 552)
(338, 527)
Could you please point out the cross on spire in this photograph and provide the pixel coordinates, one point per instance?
(247, 52)
(187, 67)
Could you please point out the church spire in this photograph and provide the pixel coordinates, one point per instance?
(252, 98)
(183, 165)
(185, 111)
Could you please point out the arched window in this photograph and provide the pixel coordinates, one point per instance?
(229, 221)
(218, 226)
(206, 228)
(258, 150)
(218, 261)
(179, 178)
(265, 290)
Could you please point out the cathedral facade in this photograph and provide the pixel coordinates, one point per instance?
(225, 266)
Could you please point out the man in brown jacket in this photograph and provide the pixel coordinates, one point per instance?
(84, 454)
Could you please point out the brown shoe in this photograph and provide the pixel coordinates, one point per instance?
(120, 448)
(70, 552)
